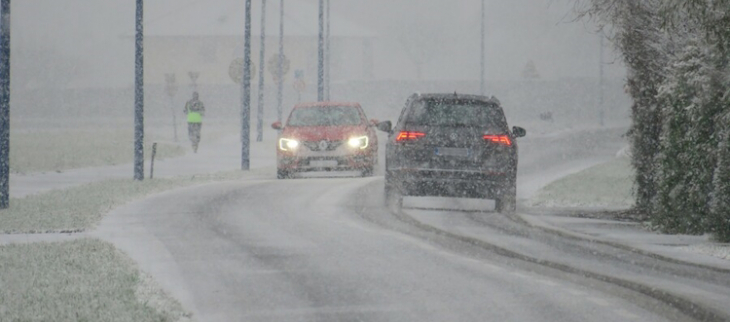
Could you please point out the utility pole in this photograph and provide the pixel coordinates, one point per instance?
(260, 114)
(327, 55)
(139, 96)
(280, 71)
(5, 104)
(482, 56)
(246, 97)
(320, 70)
(600, 84)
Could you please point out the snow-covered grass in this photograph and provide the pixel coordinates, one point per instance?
(605, 185)
(57, 150)
(80, 280)
(716, 250)
(80, 208)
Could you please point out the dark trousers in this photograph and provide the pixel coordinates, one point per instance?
(194, 133)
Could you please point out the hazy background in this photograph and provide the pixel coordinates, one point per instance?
(82, 40)
(74, 59)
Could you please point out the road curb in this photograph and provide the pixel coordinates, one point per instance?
(546, 227)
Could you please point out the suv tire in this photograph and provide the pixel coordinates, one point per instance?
(506, 203)
(393, 195)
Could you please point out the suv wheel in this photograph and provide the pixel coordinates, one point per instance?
(507, 201)
(393, 195)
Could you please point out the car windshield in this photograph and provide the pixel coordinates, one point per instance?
(455, 113)
(325, 116)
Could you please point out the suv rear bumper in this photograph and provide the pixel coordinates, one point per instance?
(451, 183)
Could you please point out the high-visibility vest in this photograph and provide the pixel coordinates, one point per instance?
(193, 108)
(195, 117)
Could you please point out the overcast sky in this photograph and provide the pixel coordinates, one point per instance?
(88, 33)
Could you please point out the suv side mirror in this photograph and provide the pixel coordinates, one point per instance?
(518, 132)
(385, 126)
(276, 126)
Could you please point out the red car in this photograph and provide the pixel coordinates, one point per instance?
(326, 136)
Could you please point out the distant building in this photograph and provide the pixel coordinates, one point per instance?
(204, 37)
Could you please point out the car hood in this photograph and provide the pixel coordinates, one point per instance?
(319, 133)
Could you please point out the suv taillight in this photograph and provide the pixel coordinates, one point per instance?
(499, 139)
(409, 136)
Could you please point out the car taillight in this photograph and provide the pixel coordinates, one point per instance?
(409, 136)
(499, 139)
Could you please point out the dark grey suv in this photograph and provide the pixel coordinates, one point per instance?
(452, 145)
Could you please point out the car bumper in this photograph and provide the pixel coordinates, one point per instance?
(451, 183)
(307, 162)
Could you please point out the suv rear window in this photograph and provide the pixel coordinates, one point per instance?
(325, 116)
(455, 113)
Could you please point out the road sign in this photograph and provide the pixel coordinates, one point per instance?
(235, 70)
(300, 85)
(273, 65)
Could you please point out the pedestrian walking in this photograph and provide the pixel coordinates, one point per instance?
(195, 110)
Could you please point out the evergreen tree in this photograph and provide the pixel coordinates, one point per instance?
(719, 222)
(686, 157)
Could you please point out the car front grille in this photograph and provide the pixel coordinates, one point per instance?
(323, 145)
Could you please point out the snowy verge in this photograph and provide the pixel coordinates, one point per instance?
(607, 185)
(52, 150)
(80, 208)
(80, 280)
(721, 251)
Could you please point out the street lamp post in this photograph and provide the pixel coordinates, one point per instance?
(260, 110)
(246, 97)
(5, 104)
(320, 70)
(139, 95)
(482, 86)
(601, 113)
(328, 56)
(280, 67)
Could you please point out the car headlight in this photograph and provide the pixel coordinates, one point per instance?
(359, 142)
(288, 144)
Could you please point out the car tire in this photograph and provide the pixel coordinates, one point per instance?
(368, 171)
(507, 201)
(282, 174)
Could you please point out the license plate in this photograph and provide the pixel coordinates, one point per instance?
(453, 152)
(323, 163)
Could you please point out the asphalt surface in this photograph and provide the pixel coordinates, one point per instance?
(326, 249)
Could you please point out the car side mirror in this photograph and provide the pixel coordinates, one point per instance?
(276, 126)
(385, 126)
(518, 132)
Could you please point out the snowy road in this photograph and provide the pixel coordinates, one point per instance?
(325, 249)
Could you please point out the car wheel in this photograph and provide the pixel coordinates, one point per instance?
(368, 171)
(282, 174)
(507, 201)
